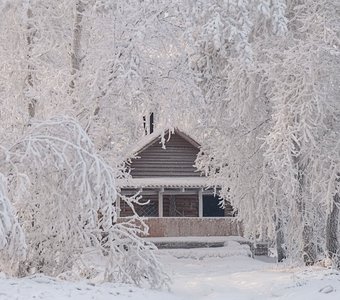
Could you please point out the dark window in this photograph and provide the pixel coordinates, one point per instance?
(211, 206)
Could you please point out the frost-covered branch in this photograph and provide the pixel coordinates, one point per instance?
(69, 208)
(12, 239)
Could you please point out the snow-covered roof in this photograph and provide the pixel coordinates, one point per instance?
(160, 182)
(149, 139)
(167, 182)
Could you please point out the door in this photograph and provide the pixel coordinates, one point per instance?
(211, 207)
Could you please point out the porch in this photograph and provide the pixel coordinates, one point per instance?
(173, 197)
(179, 207)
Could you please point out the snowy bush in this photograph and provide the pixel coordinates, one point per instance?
(68, 207)
(12, 241)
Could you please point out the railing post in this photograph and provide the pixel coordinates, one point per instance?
(160, 204)
(200, 203)
(118, 206)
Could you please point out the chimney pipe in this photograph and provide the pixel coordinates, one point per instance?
(151, 123)
(148, 123)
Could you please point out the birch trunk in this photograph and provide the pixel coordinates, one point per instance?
(32, 103)
(281, 255)
(76, 47)
(309, 248)
(332, 242)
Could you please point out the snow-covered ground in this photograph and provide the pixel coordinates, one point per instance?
(241, 278)
(196, 274)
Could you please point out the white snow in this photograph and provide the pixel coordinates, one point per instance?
(198, 239)
(42, 287)
(237, 277)
(163, 182)
(209, 276)
(232, 248)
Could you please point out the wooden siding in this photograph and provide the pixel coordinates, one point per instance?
(168, 227)
(176, 160)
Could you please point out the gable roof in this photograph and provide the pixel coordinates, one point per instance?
(152, 138)
(167, 181)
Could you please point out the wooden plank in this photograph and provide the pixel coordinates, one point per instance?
(164, 173)
(160, 204)
(179, 226)
(155, 162)
(118, 206)
(176, 160)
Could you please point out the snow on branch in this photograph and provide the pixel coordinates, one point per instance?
(12, 241)
(70, 208)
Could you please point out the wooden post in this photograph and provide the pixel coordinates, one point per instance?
(160, 204)
(200, 203)
(118, 206)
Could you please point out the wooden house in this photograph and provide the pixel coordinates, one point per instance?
(179, 199)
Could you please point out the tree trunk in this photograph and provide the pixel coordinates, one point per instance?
(332, 242)
(32, 103)
(309, 248)
(281, 255)
(75, 54)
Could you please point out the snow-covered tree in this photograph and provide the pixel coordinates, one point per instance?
(304, 94)
(276, 81)
(67, 210)
(107, 64)
(227, 61)
(257, 81)
(12, 239)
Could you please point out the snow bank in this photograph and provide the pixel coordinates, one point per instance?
(43, 287)
(231, 248)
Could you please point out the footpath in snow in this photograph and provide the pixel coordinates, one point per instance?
(244, 278)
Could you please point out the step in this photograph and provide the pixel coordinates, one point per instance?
(206, 242)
